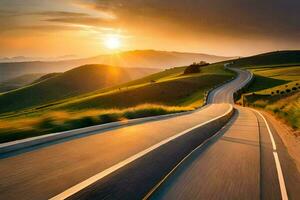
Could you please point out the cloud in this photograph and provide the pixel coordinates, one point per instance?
(58, 14)
(243, 18)
(86, 20)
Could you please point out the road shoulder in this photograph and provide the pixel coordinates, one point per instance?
(288, 137)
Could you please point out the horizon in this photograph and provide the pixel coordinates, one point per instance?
(75, 57)
(87, 28)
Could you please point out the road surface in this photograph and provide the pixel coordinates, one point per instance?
(246, 161)
(48, 171)
(127, 162)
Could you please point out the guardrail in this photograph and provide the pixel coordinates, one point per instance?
(39, 140)
(52, 137)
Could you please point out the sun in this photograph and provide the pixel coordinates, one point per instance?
(112, 42)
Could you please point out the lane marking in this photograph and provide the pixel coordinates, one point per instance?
(203, 144)
(76, 188)
(284, 195)
(269, 130)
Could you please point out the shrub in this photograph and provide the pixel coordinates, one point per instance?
(272, 93)
(282, 92)
(132, 114)
(195, 67)
(111, 117)
(192, 69)
(288, 90)
(81, 122)
(277, 91)
(294, 88)
(46, 123)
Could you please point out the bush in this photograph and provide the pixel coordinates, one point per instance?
(288, 90)
(106, 118)
(282, 92)
(81, 122)
(294, 88)
(195, 67)
(132, 114)
(46, 124)
(277, 91)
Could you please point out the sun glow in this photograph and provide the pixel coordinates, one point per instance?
(112, 42)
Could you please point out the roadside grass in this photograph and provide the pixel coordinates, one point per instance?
(62, 120)
(285, 107)
(277, 90)
(78, 81)
(168, 87)
(162, 93)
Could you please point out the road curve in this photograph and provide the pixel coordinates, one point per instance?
(224, 93)
(247, 160)
(47, 172)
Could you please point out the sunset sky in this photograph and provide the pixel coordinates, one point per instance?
(50, 28)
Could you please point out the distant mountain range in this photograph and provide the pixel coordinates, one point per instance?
(136, 59)
(30, 59)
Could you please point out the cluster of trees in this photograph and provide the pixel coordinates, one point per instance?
(195, 67)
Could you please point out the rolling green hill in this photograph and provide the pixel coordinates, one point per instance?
(47, 76)
(165, 92)
(74, 82)
(18, 82)
(272, 58)
(277, 90)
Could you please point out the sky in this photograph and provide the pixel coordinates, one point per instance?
(50, 28)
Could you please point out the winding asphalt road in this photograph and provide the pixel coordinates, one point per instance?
(247, 160)
(129, 162)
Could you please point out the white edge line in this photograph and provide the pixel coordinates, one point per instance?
(269, 130)
(217, 134)
(76, 188)
(284, 195)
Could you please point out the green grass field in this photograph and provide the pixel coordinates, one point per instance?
(275, 87)
(165, 92)
(72, 83)
(277, 90)
(277, 58)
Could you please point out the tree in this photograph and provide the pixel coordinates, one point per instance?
(195, 67)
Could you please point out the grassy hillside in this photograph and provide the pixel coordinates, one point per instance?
(18, 82)
(46, 76)
(276, 89)
(77, 81)
(164, 92)
(272, 58)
